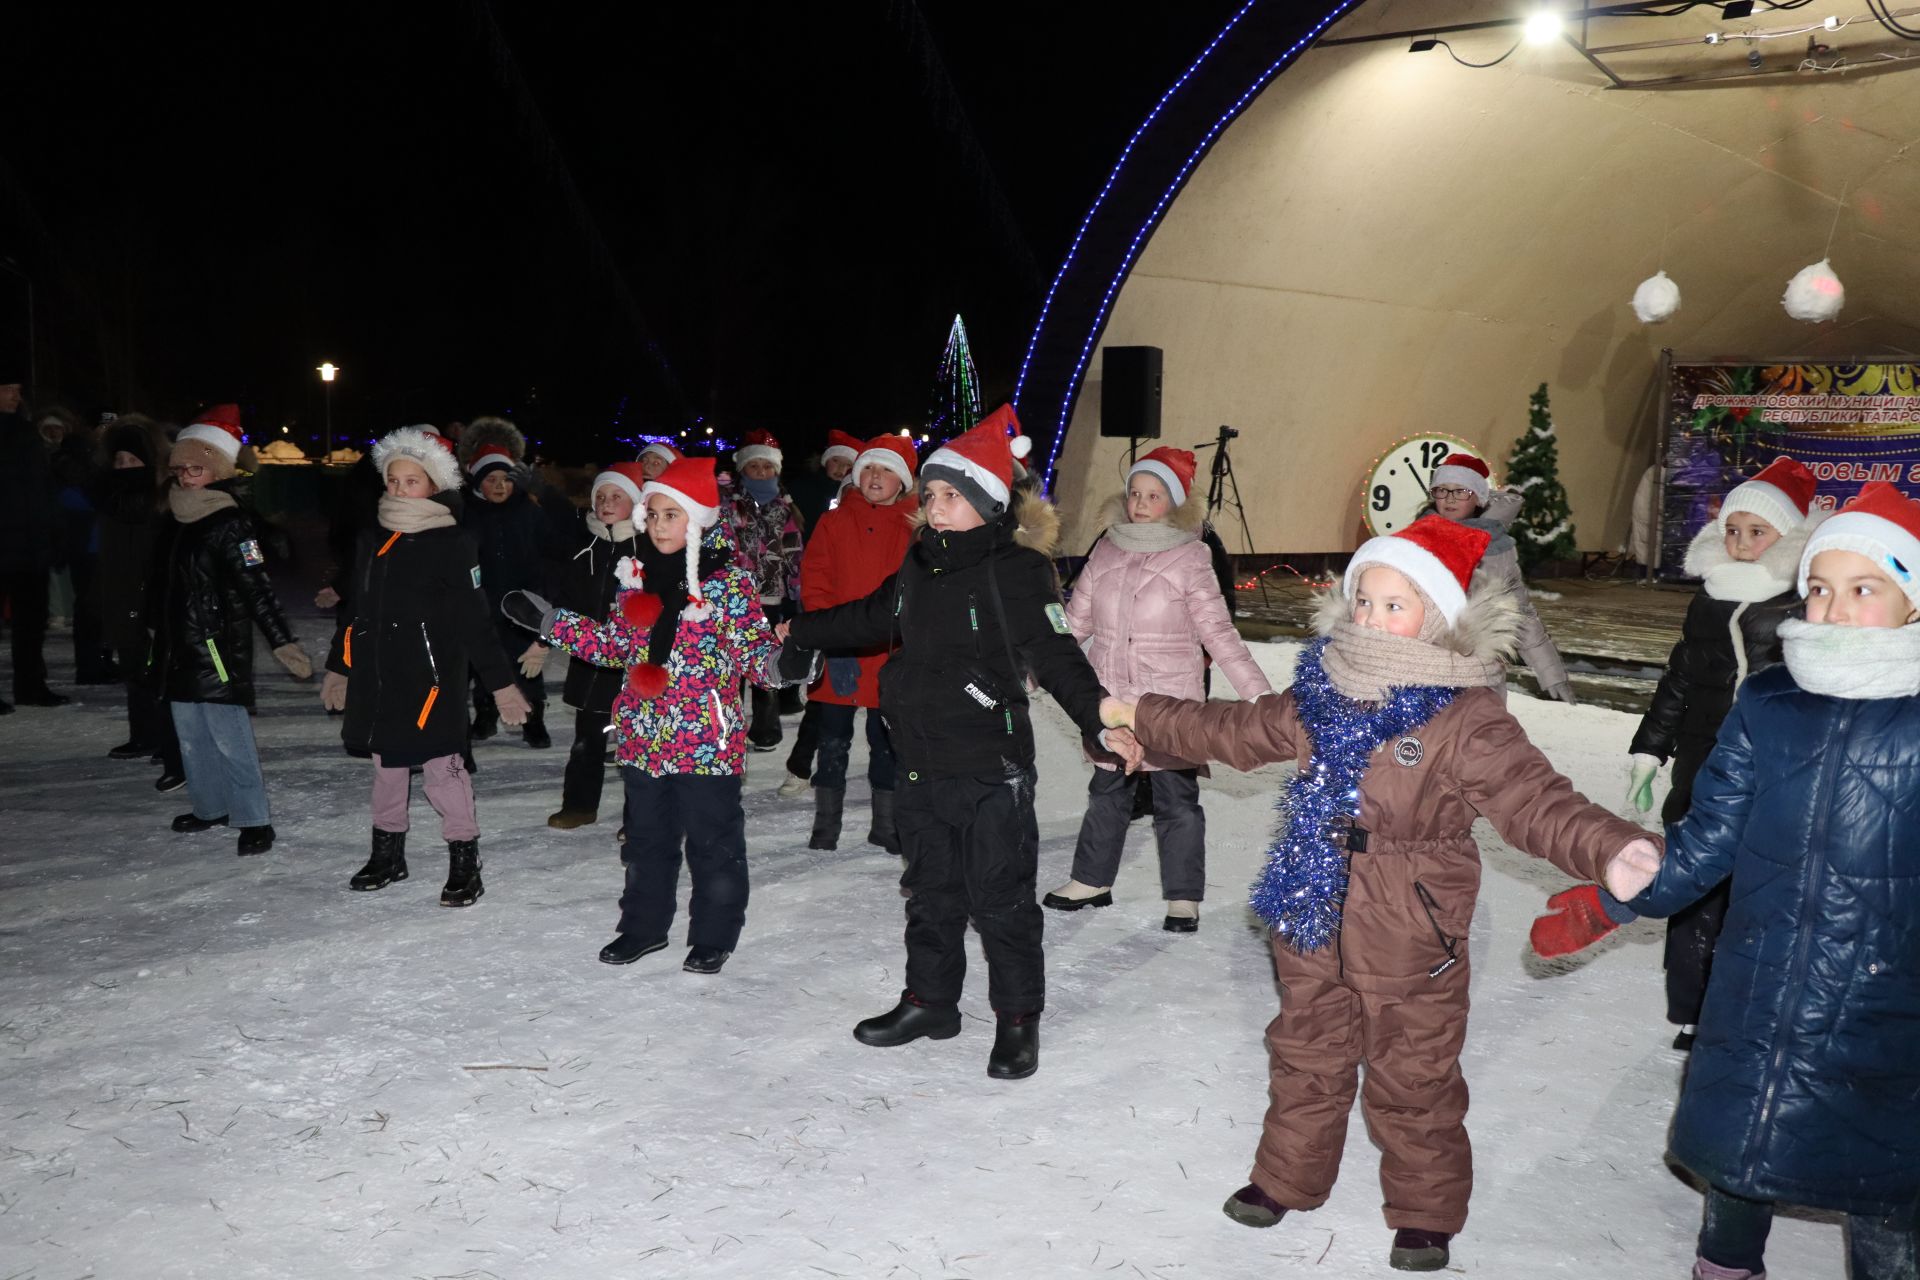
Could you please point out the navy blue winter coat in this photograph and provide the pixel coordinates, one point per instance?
(1804, 1084)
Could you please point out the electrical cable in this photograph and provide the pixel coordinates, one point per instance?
(1884, 15)
(1477, 65)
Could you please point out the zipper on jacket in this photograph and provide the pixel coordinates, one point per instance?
(219, 667)
(1428, 905)
(426, 707)
(346, 654)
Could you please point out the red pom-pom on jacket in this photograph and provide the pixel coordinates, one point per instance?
(640, 609)
(648, 679)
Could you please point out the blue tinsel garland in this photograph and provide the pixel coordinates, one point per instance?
(1304, 886)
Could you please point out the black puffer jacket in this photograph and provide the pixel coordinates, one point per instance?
(206, 591)
(974, 614)
(128, 503)
(419, 618)
(587, 586)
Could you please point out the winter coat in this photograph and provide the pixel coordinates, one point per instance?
(28, 514)
(768, 542)
(856, 547)
(1411, 891)
(588, 586)
(1804, 1083)
(1149, 619)
(1500, 565)
(207, 589)
(129, 504)
(521, 546)
(1731, 632)
(419, 619)
(695, 725)
(974, 614)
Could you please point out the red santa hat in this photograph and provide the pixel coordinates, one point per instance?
(690, 485)
(489, 458)
(219, 428)
(980, 463)
(1882, 524)
(892, 451)
(759, 444)
(1172, 467)
(1780, 495)
(1463, 471)
(1436, 554)
(665, 452)
(842, 445)
(424, 446)
(628, 477)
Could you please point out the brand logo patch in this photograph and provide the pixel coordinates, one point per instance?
(475, 571)
(251, 555)
(1057, 615)
(975, 693)
(1408, 752)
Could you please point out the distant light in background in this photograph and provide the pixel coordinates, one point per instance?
(1543, 26)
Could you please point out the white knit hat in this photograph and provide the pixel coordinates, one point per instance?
(1463, 471)
(1780, 495)
(425, 446)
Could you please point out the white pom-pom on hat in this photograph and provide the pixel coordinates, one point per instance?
(1020, 446)
(1657, 298)
(1815, 293)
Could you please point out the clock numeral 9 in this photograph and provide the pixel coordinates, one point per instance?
(1382, 497)
(1433, 453)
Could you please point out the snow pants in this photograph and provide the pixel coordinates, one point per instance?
(586, 771)
(1692, 931)
(700, 813)
(449, 791)
(972, 849)
(1408, 1033)
(834, 725)
(1179, 828)
(1734, 1234)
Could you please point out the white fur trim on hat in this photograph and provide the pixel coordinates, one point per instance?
(1769, 502)
(416, 445)
(751, 452)
(487, 462)
(619, 482)
(848, 452)
(698, 516)
(1892, 549)
(990, 484)
(878, 458)
(218, 437)
(1421, 566)
(665, 452)
(1164, 474)
(1462, 477)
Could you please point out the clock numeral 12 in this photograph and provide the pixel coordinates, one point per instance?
(1433, 453)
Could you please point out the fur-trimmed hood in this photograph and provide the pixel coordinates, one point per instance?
(1488, 628)
(1037, 522)
(1724, 578)
(482, 432)
(1188, 515)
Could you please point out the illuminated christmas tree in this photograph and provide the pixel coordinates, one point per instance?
(1544, 530)
(956, 389)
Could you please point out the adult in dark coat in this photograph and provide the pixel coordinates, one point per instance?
(77, 544)
(28, 517)
(129, 493)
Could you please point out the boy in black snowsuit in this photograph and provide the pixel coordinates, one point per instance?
(974, 610)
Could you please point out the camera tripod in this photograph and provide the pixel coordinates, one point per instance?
(1222, 484)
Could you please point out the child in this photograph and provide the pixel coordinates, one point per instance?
(131, 494)
(207, 591)
(398, 663)
(520, 541)
(1149, 609)
(1398, 720)
(1804, 1085)
(657, 457)
(588, 587)
(687, 627)
(766, 529)
(1462, 492)
(856, 547)
(974, 611)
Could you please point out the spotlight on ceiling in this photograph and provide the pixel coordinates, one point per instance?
(1543, 26)
(1734, 10)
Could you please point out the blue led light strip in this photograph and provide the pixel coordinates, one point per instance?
(1152, 219)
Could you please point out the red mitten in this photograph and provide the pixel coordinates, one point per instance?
(1575, 922)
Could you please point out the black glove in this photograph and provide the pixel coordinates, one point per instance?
(525, 609)
(843, 676)
(795, 665)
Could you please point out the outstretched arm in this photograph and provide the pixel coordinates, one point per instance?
(862, 624)
(1242, 735)
(1701, 849)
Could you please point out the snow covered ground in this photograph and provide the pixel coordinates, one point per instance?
(227, 1068)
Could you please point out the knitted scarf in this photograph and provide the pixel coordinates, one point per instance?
(1304, 886)
(1852, 662)
(1148, 538)
(664, 574)
(189, 505)
(1366, 665)
(413, 515)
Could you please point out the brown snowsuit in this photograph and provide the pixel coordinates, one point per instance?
(1392, 990)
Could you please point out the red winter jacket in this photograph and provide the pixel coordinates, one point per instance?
(855, 547)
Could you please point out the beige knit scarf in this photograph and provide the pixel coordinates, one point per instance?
(1366, 665)
(189, 505)
(413, 515)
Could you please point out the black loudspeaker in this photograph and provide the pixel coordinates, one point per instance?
(1130, 393)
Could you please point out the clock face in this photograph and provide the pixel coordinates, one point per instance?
(1397, 484)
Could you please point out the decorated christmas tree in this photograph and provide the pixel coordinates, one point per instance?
(956, 389)
(1544, 529)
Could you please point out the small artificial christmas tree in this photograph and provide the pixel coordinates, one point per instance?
(956, 389)
(1544, 529)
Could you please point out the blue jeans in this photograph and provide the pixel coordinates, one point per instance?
(222, 764)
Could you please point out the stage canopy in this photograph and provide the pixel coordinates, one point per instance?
(1386, 242)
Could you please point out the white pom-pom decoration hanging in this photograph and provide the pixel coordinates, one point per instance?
(1815, 293)
(1656, 299)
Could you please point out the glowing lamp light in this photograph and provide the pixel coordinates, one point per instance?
(328, 370)
(1543, 27)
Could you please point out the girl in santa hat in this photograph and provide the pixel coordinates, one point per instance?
(416, 619)
(1463, 492)
(766, 530)
(1398, 721)
(687, 627)
(657, 457)
(975, 612)
(1803, 1081)
(608, 534)
(1149, 610)
(207, 591)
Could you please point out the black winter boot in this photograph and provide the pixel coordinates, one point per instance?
(486, 722)
(463, 874)
(255, 840)
(883, 832)
(386, 864)
(1016, 1047)
(1418, 1250)
(1252, 1207)
(907, 1022)
(534, 733)
(828, 804)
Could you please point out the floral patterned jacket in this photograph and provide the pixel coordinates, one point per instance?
(769, 543)
(695, 726)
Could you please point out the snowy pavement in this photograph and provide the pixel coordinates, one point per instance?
(212, 1067)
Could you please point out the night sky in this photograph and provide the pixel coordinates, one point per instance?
(762, 215)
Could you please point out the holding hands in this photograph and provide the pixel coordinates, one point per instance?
(1632, 869)
(1116, 714)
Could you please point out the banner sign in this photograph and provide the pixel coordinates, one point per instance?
(1848, 423)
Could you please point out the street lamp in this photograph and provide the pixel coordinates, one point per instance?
(327, 372)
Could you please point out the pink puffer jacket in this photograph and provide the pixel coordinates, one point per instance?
(1146, 615)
